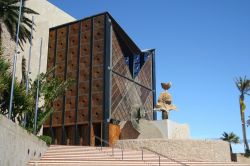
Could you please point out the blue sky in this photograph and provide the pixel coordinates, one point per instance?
(201, 47)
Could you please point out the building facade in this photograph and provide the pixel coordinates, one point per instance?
(111, 75)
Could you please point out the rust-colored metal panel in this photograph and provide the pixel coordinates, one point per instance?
(69, 117)
(83, 134)
(97, 72)
(97, 114)
(86, 25)
(70, 130)
(97, 85)
(114, 133)
(83, 101)
(98, 59)
(57, 118)
(83, 87)
(51, 50)
(82, 115)
(70, 103)
(58, 135)
(58, 104)
(97, 99)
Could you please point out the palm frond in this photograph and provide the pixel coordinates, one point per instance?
(9, 13)
(230, 137)
(243, 85)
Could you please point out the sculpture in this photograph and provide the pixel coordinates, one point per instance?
(137, 113)
(164, 103)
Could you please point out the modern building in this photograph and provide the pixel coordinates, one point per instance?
(111, 76)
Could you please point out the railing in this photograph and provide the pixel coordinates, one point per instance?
(161, 155)
(112, 146)
(142, 152)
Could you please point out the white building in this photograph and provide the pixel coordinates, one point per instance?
(49, 16)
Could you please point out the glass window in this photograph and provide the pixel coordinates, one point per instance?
(127, 60)
(136, 64)
(146, 56)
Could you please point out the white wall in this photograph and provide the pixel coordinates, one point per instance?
(49, 16)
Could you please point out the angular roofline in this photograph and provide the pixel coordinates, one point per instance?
(69, 23)
(131, 44)
(148, 50)
(116, 27)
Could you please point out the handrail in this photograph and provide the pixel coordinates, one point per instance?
(159, 155)
(102, 140)
(164, 156)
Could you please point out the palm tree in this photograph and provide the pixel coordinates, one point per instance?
(231, 138)
(22, 102)
(9, 10)
(243, 85)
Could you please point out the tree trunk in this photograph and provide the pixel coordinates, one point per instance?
(231, 151)
(242, 113)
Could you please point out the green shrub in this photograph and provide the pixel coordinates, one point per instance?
(46, 139)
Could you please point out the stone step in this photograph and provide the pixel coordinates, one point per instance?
(91, 162)
(93, 156)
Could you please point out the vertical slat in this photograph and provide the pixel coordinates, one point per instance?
(64, 97)
(153, 82)
(90, 81)
(77, 83)
(107, 81)
(54, 74)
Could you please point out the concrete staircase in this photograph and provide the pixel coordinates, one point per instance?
(58, 155)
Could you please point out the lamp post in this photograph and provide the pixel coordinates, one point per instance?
(14, 60)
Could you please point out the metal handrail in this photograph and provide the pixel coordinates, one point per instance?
(164, 156)
(159, 155)
(106, 142)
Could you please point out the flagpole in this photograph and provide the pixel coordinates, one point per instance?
(38, 84)
(14, 60)
(28, 71)
(31, 44)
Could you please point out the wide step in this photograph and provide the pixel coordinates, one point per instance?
(59, 155)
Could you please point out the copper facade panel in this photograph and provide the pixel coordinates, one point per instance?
(82, 116)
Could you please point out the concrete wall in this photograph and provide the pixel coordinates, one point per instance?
(173, 130)
(242, 159)
(49, 16)
(17, 146)
(193, 150)
(154, 129)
